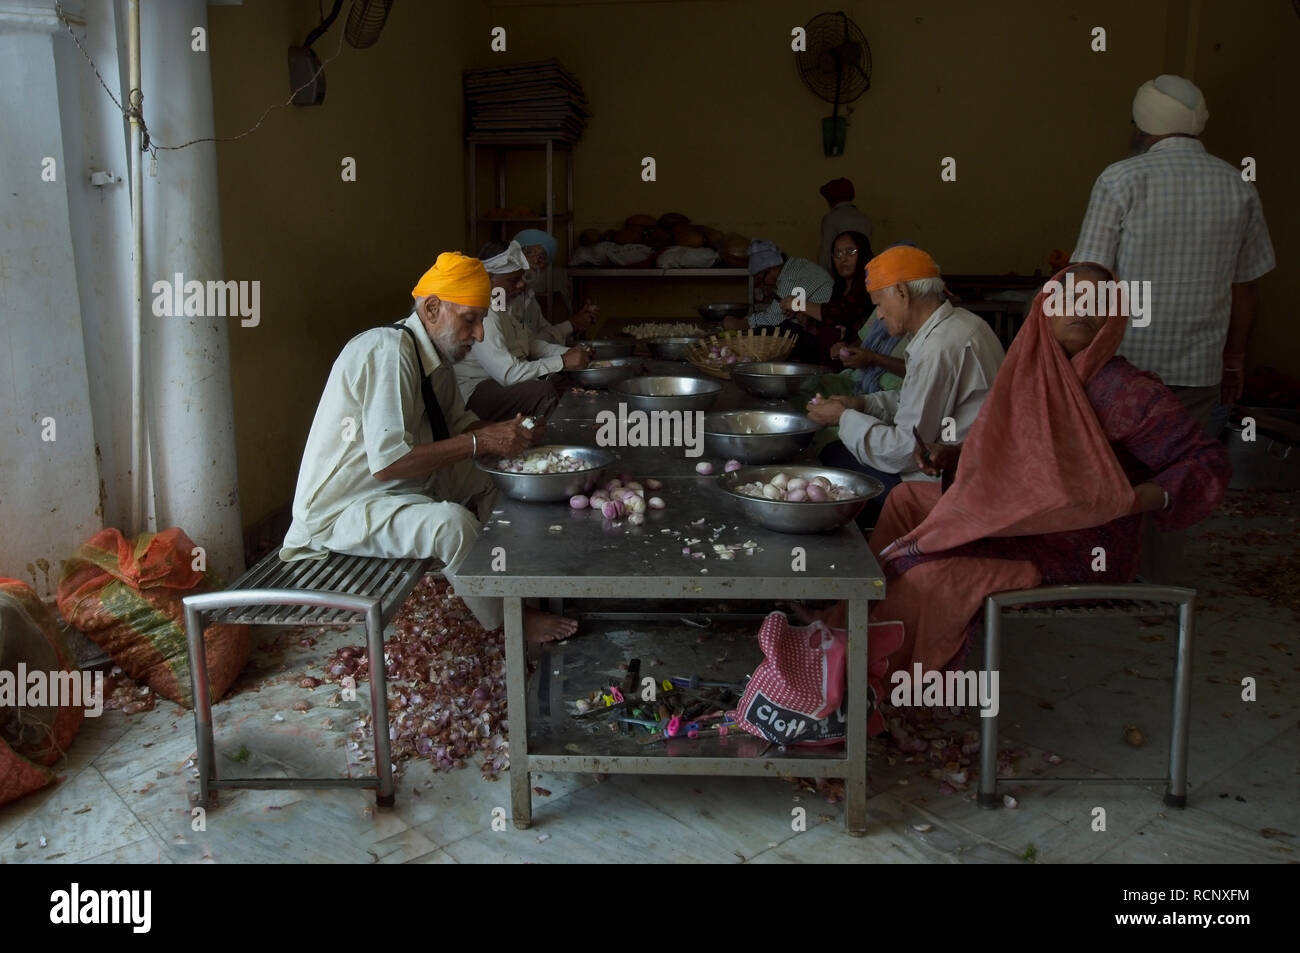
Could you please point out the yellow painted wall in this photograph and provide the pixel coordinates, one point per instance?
(1246, 66)
(334, 258)
(709, 88)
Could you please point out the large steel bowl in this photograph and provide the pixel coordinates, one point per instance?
(604, 349)
(550, 487)
(803, 517)
(757, 436)
(671, 349)
(617, 369)
(668, 393)
(773, 379)
(724, 309)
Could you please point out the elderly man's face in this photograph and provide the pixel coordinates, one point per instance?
(512, 284)
(768, 277)
(455, 326)
(892, 302)
(538, 260)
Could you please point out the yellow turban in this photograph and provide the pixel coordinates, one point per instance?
(899, 264)
(456, 278)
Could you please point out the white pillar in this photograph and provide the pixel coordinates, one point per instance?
(188, 396)
(49, 488)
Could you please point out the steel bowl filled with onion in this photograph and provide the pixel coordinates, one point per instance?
(800, 499)
(757, 436)
(548, 474)
(775, 379)
(603, 373)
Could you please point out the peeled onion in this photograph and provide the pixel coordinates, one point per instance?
(796, 483)
(704, 468)
(771, 491)
(732, 466)
(821, 481)
(816, 492)
(656, 503)
(612, 510)
(578, 501)
(635, 505)
(779, 481)
(796, 496)
(654, 485)
(636, 519)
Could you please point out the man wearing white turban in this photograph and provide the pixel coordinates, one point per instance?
(512, 371)
(1187, 222)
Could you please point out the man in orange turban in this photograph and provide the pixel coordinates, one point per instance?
(951, 362)
(389, 459)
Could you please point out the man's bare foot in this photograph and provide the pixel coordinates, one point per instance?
(542, 626)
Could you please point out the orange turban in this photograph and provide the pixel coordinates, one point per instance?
(900, 263)
(456, 278)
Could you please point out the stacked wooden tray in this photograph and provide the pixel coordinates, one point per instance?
(763, 344)
(530, 101)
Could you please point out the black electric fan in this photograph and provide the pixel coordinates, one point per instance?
(366, 19)
(837, 67)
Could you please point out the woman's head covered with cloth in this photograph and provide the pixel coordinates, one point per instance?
(1036, 459)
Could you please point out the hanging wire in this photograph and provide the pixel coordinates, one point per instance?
(136, 98)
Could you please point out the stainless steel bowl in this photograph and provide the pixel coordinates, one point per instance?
(604, 349)
(671, 349)
(757, 436)
(550, 487)
(801, 517)
(723, 309)
(775, 378)
(668, 393)
(619, 368)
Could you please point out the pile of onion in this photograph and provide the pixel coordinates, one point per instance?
(446, 684)
(798, 490)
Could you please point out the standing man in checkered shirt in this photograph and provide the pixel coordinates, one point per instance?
(1176, 216)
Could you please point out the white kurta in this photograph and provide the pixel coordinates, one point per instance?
(528, 312)
(508, 354)
(951, 363)
(371, 415)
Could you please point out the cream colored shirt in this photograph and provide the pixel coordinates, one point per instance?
(370, 415)
(528, 312)
(508, 354)
(951, 362)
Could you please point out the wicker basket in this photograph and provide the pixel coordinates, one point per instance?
(766, 344)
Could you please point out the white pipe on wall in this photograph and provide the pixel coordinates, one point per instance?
(139, 454)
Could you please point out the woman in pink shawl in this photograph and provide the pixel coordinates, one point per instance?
(1071, 447)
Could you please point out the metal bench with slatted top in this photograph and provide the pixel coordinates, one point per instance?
(337, 590)
(1076, 601)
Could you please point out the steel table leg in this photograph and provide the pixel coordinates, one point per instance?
(855, 785)
(202, 704)
(988, 788)
(521, 794)
(1176, 794)
(386, 795)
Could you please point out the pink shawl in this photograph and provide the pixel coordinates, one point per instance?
(1036, 459)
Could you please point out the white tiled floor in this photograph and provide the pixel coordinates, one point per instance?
(1068, 688)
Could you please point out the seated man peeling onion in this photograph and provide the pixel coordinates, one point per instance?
(387, 473)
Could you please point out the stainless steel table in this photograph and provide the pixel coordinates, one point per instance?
(587, 557)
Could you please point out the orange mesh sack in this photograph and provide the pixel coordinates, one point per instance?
(126, 597)
(32, 737)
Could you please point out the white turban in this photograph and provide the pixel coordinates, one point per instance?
(1169, 104)
(512, 259)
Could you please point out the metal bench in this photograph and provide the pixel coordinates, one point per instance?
(337, 590)
(1058, 601)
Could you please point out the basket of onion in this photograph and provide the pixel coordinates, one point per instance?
(716, 354)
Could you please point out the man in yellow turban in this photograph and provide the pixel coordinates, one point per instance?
(951, 362)
(388, 469)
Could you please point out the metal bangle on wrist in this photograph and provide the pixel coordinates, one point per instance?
(474, 437)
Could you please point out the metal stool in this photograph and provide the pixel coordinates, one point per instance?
(337, 590)
(1132, 599)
